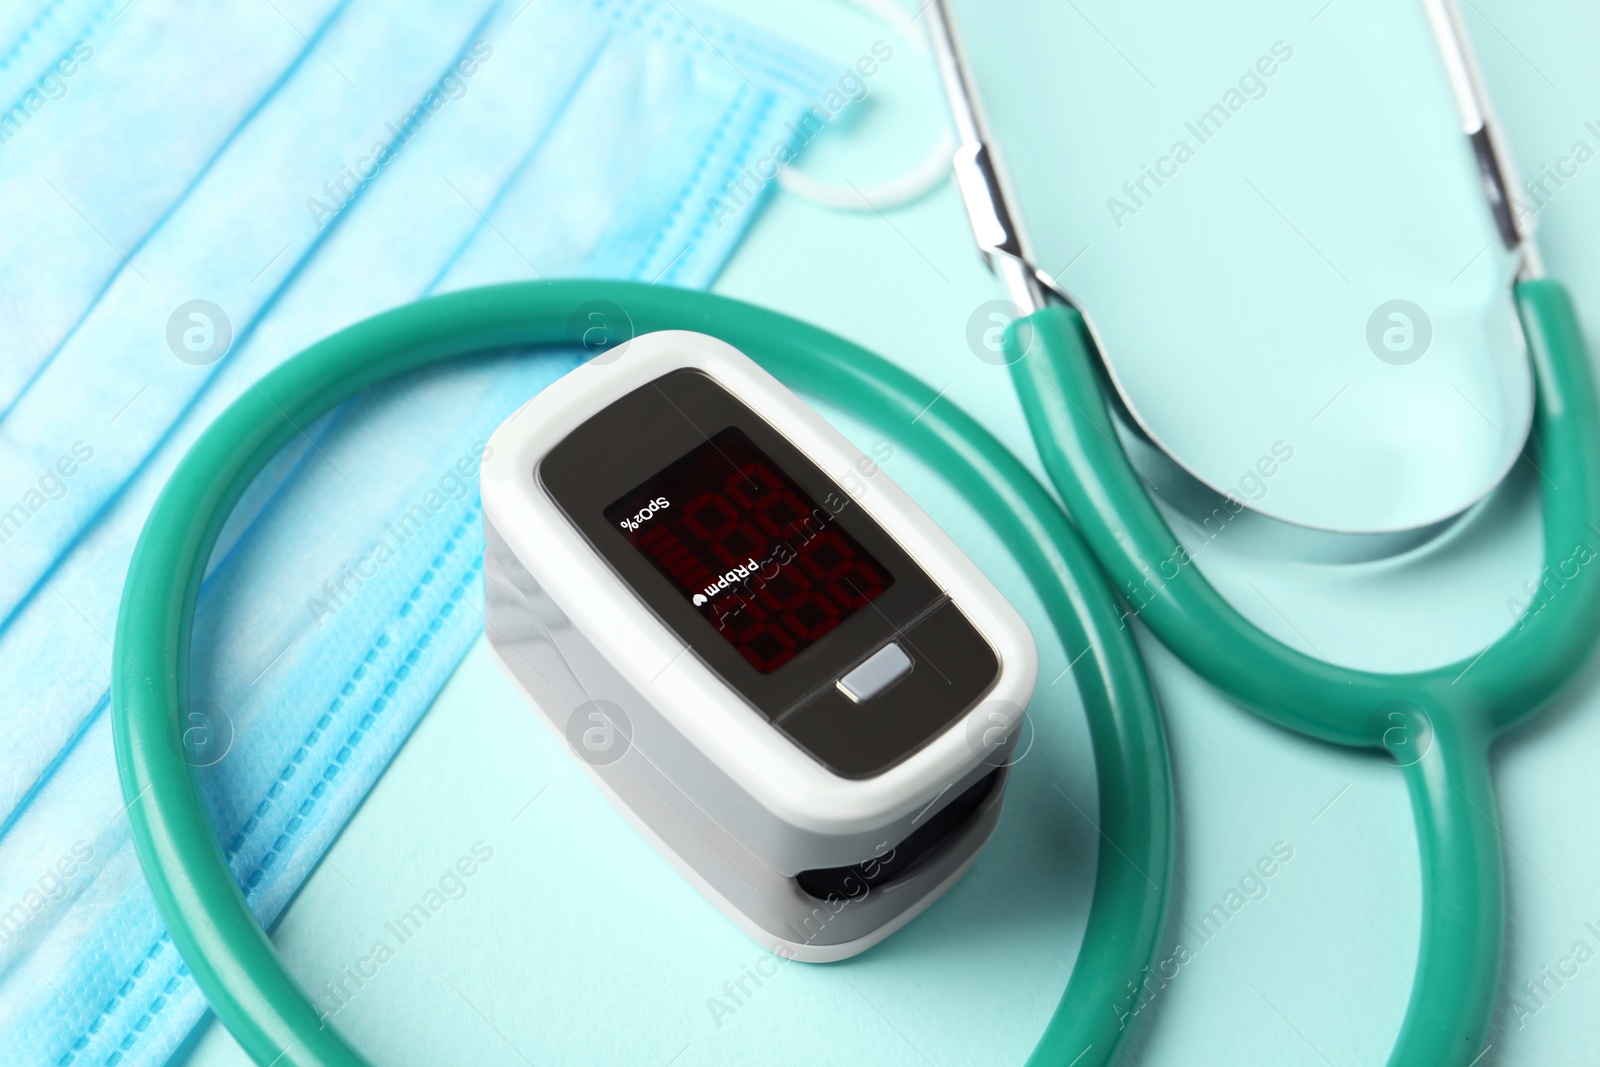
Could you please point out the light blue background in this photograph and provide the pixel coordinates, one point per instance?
(577, 944)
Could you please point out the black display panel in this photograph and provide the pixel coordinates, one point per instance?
(765, 564)
(646, 446)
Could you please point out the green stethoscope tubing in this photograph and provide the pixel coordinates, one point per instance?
(1464, 705)
(246, 984)
(207, 917)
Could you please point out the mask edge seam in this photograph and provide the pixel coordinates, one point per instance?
(444, 611)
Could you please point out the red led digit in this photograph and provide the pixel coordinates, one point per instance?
(754, 486)
(744, 542)
(771, 570)
(707, 509)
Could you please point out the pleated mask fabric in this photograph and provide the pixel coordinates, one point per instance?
(205, 193)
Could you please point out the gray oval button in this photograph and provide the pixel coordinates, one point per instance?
(881, 670)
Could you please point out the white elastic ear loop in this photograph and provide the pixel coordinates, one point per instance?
(913, 185)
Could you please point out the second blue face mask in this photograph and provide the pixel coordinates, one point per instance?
(492, 145)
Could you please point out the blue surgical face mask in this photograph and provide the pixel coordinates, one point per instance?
(266, 186)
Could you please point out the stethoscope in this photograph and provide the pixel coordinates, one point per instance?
(1437, 724)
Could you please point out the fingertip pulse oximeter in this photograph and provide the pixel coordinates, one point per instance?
(778, 668)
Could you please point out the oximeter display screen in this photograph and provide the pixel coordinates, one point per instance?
(765, 564)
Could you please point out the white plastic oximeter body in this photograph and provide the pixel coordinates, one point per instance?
(777, 667)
